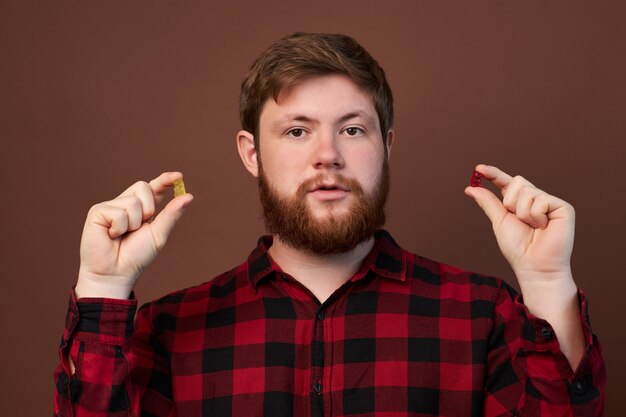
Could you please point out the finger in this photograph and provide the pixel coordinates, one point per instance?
(162, 183)
(496, 176)
(143, 192)
(114, 219)
(134, 210)
(168, 217)
(524, 208)
(151, 193)
(489, 203)
(148, 204)
(510, 193)
(540, 210)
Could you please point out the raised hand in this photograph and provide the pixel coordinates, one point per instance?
(119, 241)
(534, 230)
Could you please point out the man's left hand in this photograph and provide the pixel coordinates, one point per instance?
(535, 230)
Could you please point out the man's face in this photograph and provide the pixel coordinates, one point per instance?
(323, 174)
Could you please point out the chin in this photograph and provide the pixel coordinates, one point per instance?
(328, 214)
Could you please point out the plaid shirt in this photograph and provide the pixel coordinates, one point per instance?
(405, 336)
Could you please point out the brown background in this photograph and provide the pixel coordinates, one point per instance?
(97, 95)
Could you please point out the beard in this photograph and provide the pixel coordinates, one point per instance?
(292, 221)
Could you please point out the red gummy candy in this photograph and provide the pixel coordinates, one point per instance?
(476, 179)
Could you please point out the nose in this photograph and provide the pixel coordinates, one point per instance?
(327, 153)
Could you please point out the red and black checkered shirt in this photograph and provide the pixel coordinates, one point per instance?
(405, 336)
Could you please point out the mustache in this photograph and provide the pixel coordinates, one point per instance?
(336, 180)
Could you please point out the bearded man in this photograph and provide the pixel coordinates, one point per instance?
(328, 316)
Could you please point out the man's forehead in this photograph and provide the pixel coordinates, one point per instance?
(330, 97)
(307, 117)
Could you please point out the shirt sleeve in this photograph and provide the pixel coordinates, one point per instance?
(97, 338)
(528, 375)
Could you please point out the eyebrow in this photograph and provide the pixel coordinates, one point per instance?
(302, 118)
(353, 115)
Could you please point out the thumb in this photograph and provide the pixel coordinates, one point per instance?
(164, 223)
(489, 202)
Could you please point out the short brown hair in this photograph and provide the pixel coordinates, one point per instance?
(303, 55)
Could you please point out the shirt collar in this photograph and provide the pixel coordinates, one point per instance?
(386, 259)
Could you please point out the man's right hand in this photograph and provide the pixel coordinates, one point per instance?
(119, 241)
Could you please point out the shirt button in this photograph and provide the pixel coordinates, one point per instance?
(320, 315)
(579, 387)
(546, 333)
(317, 387)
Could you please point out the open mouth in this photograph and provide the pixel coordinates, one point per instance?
(329, 192)
(330, 187)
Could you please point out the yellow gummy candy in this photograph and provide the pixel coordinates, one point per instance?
(179, 187)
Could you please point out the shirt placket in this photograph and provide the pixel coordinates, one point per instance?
(322, 354)
(318, 357)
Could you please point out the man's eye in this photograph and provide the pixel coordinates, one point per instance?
(296, 133)
(354, 131)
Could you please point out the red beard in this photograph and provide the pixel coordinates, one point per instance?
(291, 221)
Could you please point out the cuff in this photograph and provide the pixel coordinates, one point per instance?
(541, 332)
(539, 336)
(104, 320)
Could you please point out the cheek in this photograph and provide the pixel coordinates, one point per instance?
(371, 170)
(283, 173)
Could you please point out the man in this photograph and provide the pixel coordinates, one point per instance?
(328, 316)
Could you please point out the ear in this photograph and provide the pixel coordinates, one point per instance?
(247, 152)
(389, 142)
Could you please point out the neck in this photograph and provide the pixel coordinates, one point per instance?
(320, 274)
